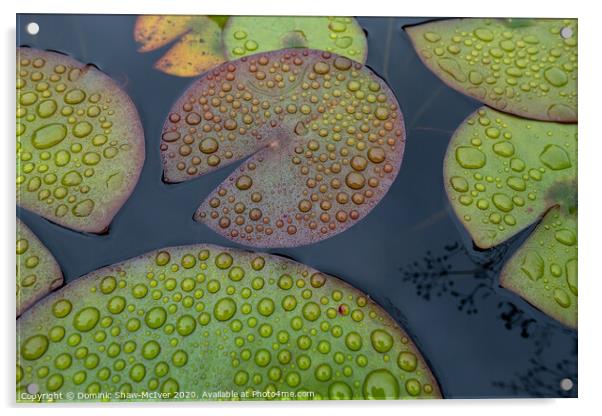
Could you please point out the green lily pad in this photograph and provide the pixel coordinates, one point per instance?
(502, 173)
(247, 35)
(526, 67)
(324, 134)
(80, 144)
(198, 47)
(544, 270)
(37, 271)
(203, 320)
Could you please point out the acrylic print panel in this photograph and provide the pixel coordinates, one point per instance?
(256, 208)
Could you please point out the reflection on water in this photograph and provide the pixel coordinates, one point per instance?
(438, 275)
(545, 374)
(410, 254)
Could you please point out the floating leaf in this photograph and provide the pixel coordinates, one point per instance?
(37, 271)
(80, 144)
(526, 67)
(154, 32)
(247, 35)
(204, 319)
(199, 45)
(502, 173)
(544, 270)
(326, 137)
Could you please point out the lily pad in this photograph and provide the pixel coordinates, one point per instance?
(37, 271)
(526, 67)
(80, 144)
(204, 319)
(247, 35)
(325, 136)
(544, 270)
(503, 173)
(198, 47)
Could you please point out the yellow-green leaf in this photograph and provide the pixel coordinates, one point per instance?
(80, 143)
(502, 173)
(544, 270)
(197, 47)
(203, 320)
(247, 35)
(526, 67)
(37, 271)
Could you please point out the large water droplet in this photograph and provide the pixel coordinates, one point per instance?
(533, 265)
(380, 385)
(470, 157)
(49, 135)
(555, 157)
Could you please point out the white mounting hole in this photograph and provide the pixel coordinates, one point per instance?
(32, 388)
(566, 384)
(32, 28)
(566, 32)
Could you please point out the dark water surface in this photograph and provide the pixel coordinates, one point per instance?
(410, 253)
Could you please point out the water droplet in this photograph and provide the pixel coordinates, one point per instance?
(555, 157)
(505, 149)
(566, 237)
(470, 157)
(533, 265)
(571, 275)
(155, 317)
(47, 108)
(555, 76)
(502, 202)
(381, 340)
(83, 208)
(48, 136)
(453, 68)
(224, 309)
(321, 68)
(75, 96)
(407, 361)
(380, 385)
(61, 308)
(86, 319)
(483, 34)
(34, 347)
(562, 298)
(340, 390)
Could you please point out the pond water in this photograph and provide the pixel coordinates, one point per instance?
(410, 254)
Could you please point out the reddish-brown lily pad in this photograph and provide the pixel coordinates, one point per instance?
(80, 144)
(198, 47)
(37, 271)
(193, 322)
(526, 67)
(325, 136)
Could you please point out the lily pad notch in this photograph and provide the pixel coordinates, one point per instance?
(322, 135)
(503, 173)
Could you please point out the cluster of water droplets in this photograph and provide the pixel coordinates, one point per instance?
(529, 70)
(193, 320)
